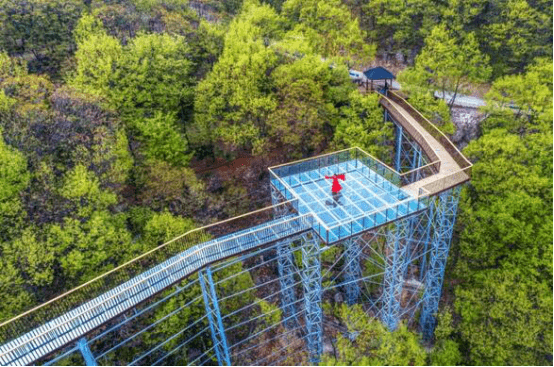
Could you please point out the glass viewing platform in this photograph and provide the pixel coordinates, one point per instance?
(370, 197)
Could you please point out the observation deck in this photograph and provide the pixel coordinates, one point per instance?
(370, 197)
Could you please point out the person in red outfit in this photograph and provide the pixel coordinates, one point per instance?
(335, 189)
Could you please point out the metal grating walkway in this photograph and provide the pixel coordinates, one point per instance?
(55, 334)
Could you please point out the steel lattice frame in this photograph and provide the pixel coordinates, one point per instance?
(446, 207)
(311, 283)
(352, 270)
(214, 317)
(287, 269)
(408, 154)
(396, 263)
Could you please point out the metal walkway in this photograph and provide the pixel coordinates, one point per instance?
(78, 322)
(453, 168)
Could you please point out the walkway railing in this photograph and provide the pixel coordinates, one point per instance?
(71, 300)
(326, 160)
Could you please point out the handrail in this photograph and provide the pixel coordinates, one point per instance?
(200, 235)
(122, 291)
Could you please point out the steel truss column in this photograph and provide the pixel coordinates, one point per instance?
(214, 317)
(446, 207)
(82, 345)
(416, 163)
(411, 242)
(352, 270)
(398, 152)
(426, 239)
(311, 282)
(287, 269)
(395, 266)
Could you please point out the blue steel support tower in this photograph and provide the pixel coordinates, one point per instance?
(445, 217)
(352, 270)
(395, 266)
(286, 268)
(214, 317)
(311, 282)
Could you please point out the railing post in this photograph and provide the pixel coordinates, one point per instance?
(311, 281)
(214, 317)
(445, 217)
(83, 347)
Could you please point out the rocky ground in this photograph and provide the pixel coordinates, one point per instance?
(467, 122)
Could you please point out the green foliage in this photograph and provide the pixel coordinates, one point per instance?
(506, 318)
(519, 32)
(11, 67)
(153, 75)
(372, 344)
(446, 63)
(13, 172)
(304, 114)
(528, 95)
(232, 103)
(87, 249)
(87, 26)
(505, 249)
(362, 125)
(26, 266)
(40, 30)
(399, 25)
(273, 313)
(329, 28)
(163, 227)
(446, 350)
(98, 57)
(163, 185)
(162, 140)
(14, 177)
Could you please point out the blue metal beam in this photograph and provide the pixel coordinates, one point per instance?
(214, 317)
(82, 344)
(352, 270)
(446, 207)
(398, 152)
(311, 282)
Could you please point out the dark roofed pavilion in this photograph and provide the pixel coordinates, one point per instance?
(378, 73)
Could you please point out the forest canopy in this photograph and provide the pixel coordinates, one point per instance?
(119, 118)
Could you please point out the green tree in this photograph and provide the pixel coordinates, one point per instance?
(399, 25)
(232, 103)
(445, 64)
(518, 32)
(521, 103)
(372, 344)
(304, 117)
(329, 27)
(14, 177)
(362, 125)
(40, 30)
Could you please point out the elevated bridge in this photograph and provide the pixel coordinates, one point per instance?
(392, 230)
